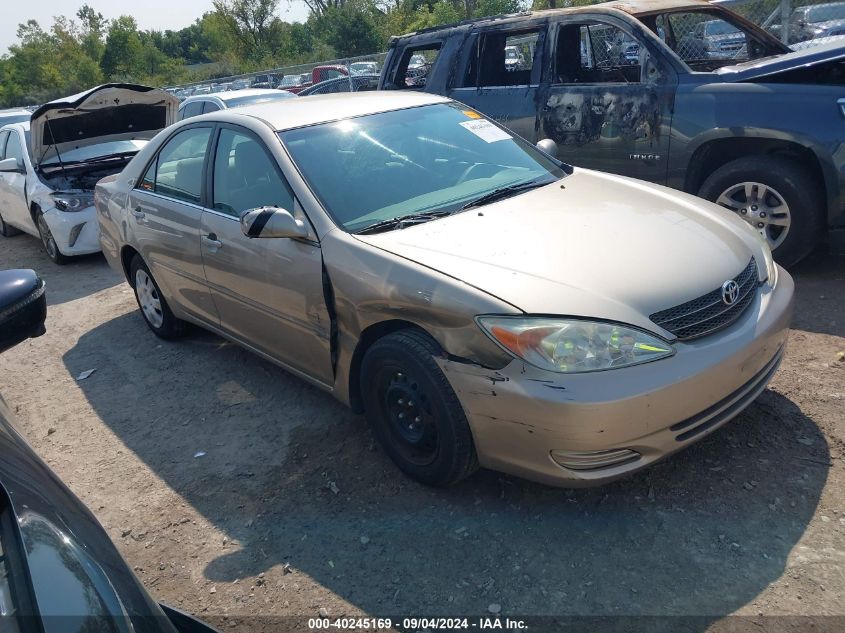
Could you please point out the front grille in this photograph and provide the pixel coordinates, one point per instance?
(708, 313)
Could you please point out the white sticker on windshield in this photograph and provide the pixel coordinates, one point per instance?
(486, 130)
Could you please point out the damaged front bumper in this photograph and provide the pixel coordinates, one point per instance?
(76, 233)
(589, 429)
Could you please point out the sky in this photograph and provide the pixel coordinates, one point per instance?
(156, 14)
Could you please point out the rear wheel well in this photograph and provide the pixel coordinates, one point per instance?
(714, 154)
(369, 336)
(126, 256)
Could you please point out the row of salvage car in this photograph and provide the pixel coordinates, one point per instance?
(482, 302)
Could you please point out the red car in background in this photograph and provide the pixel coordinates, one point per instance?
(318, 74)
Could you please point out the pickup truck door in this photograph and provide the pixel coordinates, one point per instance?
(502, 71)
(608, 98)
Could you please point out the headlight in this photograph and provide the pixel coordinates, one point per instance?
(572, 346)
(72, 202)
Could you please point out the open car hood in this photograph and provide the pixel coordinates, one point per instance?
(111, 112)
(804, 58)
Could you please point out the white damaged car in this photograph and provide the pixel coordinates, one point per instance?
(50, 164)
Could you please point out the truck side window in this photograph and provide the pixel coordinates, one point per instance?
(597, 53)
(705, 41)
(416, 66)
(503, 59)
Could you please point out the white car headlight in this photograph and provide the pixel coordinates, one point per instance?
(72, 202)
(574, 346)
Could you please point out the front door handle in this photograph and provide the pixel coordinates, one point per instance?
(211, 241)
(138, 213)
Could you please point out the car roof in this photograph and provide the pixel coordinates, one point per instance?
(288, 114)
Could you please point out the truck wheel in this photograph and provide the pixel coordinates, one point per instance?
(414, 411)
(48, 241)
(776, 197)
(154, 308)
(7, 230)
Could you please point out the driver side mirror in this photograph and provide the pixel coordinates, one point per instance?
(548, 146)
(11, 165)
(23, 307)
(272, 222)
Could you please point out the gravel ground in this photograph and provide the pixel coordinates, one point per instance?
(293, 510)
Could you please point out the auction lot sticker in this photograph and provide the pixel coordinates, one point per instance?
(486, 130)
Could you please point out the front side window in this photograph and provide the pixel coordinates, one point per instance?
(13, 148)
(177, 170)
(430, 159)
(246, 176)
(194, 108)
(597, 53)
(3, 136)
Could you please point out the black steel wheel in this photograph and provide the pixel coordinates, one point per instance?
(414, 411)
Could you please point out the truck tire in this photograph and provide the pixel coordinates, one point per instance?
(777, 197)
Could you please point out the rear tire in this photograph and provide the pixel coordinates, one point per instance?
(414, 411)
(6, 230)
(48, 241)
(153, 306)
(784, 193)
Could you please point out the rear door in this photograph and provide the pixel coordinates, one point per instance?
(502, 75)
(268, 292)
(608, 98)
(165, 215)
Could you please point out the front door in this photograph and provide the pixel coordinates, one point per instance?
(165, 215)
(15, 209)
(608, 101)
(268, 292)
(503, 73)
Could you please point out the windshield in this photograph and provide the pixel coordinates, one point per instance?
(253, 99)
(428, 159)
(720, 27)
(99, 150)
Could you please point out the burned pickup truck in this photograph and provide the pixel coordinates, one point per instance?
(678, 92)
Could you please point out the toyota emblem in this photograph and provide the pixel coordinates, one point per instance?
(730, 292)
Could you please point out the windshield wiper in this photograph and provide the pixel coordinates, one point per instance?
(98, 159)
(402, 222)
(503, 192)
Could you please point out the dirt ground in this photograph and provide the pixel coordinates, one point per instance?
(293, 510)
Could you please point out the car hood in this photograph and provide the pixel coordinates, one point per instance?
(111, 112)
(592, 245)
(803, 58)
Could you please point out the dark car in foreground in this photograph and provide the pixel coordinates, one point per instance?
(703, 101)
(59, 572)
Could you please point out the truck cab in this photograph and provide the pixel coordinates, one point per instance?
(677, 92)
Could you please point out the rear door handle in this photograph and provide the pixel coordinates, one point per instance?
(211, 241)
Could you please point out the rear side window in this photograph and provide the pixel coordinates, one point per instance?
(504, 59)
(416, 66)
(246, 176)
(210, 106)
(177, 170)
(194, 108)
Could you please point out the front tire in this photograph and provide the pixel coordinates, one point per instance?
(414, 411)
(154, 308)
(777, 197)
(48, 241)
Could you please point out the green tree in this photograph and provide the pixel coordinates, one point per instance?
(250, 23)
(123, 53)
(349, 29)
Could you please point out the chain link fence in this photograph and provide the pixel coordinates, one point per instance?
(295, 78)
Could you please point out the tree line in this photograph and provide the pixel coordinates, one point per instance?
(237, 36)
